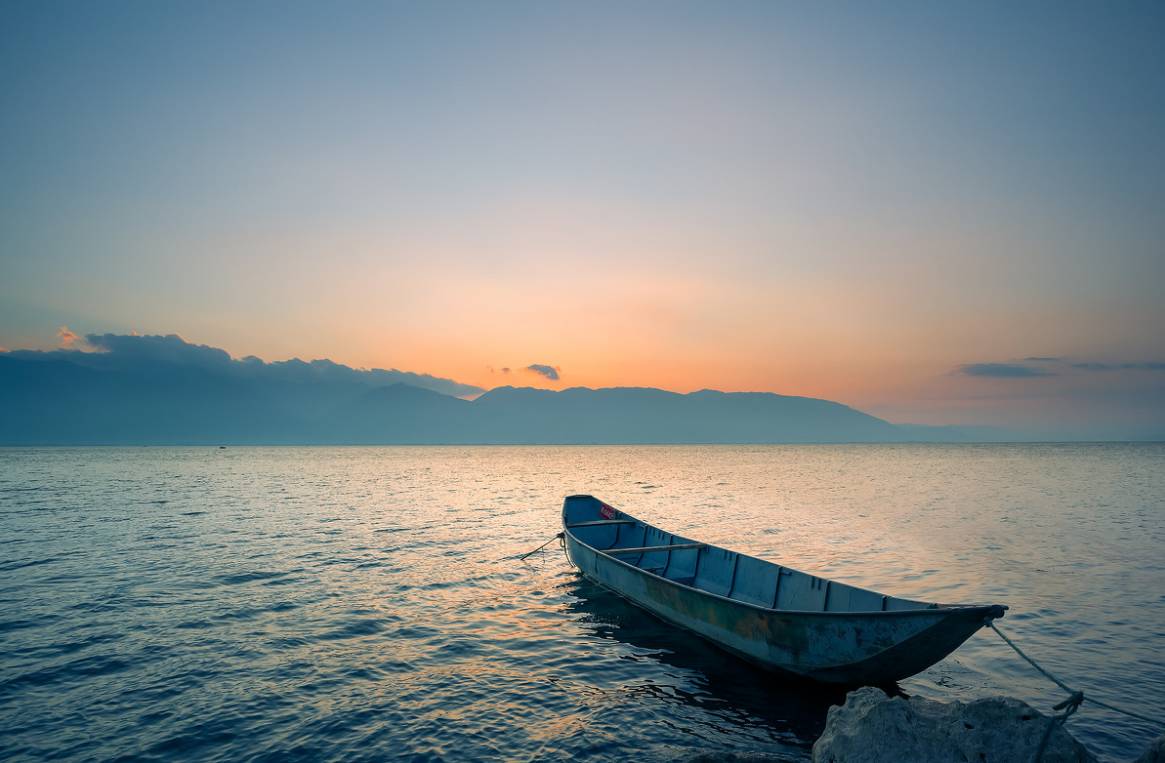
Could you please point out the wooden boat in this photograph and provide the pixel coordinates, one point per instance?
(785, 621)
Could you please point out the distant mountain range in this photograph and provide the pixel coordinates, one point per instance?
(162, 390)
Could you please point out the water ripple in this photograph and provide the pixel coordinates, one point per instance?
(348, 603)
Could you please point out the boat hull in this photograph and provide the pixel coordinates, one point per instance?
(843, 648)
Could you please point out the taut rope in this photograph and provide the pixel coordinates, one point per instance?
(1069, 705)
(544, 545)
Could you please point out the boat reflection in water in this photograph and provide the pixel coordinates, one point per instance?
(747, 701)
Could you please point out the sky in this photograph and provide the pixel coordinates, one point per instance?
(894, 206)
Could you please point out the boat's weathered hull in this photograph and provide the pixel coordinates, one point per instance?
(871, 648)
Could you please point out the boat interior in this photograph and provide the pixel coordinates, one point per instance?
(716, 570)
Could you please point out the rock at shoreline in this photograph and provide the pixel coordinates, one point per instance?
(874, 728)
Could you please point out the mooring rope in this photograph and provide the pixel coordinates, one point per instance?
(565, 553)
(1030, 661)
(544, 545)
(1130, 713)
(1069, 705)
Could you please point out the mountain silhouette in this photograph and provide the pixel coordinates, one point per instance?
(163, 390)
(646, 415)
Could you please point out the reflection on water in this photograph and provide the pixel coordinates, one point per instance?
(721, 684)
(349, 603)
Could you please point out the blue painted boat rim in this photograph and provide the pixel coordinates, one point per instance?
(991, 611)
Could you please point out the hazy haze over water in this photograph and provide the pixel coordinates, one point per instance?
(348, 603)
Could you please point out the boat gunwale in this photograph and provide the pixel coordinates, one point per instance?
(937, 609)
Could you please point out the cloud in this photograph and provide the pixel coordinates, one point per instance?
(505, 370)
(1049, 366)
(1145, 366)
(67, 336)
(550, 372)
(151, 355)
(170, 348)
(384, 377)
(1003, 370)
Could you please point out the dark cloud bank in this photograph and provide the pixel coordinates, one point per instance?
(1003, 370)
(162, 389)
(1046, 366)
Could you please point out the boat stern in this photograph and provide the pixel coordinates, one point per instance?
(586, 508)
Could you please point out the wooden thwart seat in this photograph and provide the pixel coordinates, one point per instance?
(645, 549)
(604, 522)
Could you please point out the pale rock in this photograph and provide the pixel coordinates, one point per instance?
(874, 728)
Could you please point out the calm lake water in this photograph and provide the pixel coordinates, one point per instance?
(349, 603)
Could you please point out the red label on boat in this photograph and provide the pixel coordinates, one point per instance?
(606, 511)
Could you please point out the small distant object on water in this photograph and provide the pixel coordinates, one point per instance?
(222, 447)
(781, 619)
